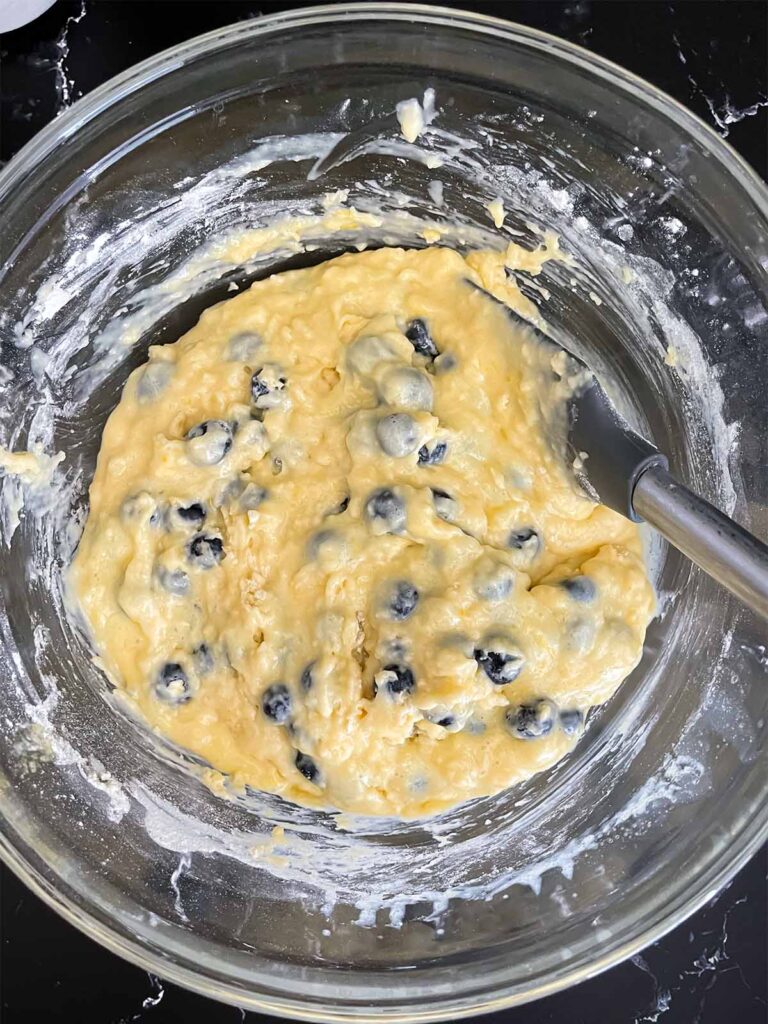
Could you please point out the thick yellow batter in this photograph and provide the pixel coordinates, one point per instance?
(332, 551)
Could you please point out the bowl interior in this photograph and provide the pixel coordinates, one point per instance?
(110, 219)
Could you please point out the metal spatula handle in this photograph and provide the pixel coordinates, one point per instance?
(710, 539)
(629, 474)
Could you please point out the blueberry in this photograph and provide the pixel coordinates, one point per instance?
(441, 717)
(500, 664)
(580, 634)
(398, 434)
(532, 721)
(206, 551)
(203, 657)
(307, 679)
(276, 703)
(419, 336)
(175, 581)
(432, 456)
(325, 542)
(475, 727)
(367, 352)
(341, 507)
(209, 442)
(445, 505)
(252, 434)
(394, 648)
(571, 721)
(193, 514)
(142, 506)
(581, 588)
(444, 363)
(526, 540)
(243, 347)
(493, 581)
(172, 684)
(307, 767)
(385, 508)
(252, 496)
(403, 600)
(227, 492)
(395, 679)
(407, 388)
(266, 385)
(153, 381)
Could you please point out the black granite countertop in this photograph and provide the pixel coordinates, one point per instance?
(711, 56)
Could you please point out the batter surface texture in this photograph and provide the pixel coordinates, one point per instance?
(332, 550)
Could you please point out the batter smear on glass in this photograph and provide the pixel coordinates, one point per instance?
(332, 549)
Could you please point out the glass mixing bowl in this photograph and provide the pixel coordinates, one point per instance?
(106, 217)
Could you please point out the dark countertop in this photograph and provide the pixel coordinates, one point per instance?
(711, 56)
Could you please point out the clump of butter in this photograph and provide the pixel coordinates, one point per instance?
(497, 212)
(414, 116)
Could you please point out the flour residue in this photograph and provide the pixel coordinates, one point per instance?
(38, 742)
(28, 476)
(34, 468)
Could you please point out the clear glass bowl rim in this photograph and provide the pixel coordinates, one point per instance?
(753, 833)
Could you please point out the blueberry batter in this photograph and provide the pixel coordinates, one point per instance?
(332, 549)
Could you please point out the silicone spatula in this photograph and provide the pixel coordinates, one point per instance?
(628, 474)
